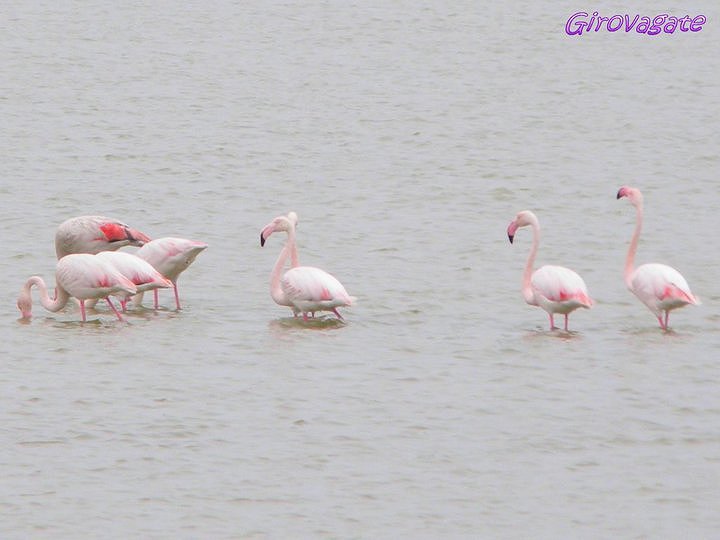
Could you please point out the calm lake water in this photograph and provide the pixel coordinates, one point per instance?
(406, 136)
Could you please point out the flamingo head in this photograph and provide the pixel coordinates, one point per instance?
(633, 194)
(523, 219)
(24, 304)
(279, 224)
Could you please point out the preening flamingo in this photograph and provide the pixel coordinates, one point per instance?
(658, 286)
(169, 256)
(304, 289)
(82, 276)
(137, 270)
(93, 234)
(556, 289)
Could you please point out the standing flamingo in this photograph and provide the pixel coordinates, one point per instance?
(304, 289)
(137, 270)
(93, 234)
(82, 276)
(658, 286)
(169, 256)
(556, 289)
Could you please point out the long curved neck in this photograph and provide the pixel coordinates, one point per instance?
(527, 274)
(630, 259)
(48, 303)
(289, 250)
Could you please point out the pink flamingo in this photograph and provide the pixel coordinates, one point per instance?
(93, 234)
(658, 286)
(137, 270)
(304, 289)
(82, 276)
(169, 256)
(555, 289)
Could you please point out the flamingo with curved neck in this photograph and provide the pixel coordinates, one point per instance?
(660, 287)
(304, 289)
(81, 276)
(555, 289)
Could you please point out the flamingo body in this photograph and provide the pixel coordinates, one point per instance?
(93, 234)
(304, 289)
(555, 289)
(660, 287)
(82, 276)
(137, 270)
(170, 256)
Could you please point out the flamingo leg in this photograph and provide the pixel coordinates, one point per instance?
(305, 317)
(667, 316)
(336, 312)
(112, 306)
(155, 296)
(82, 308)
(662, 324)
(566, 322)
(552, 321)
(177, 298)
(123, 303)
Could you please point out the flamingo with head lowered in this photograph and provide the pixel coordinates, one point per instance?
(304, 289)
(660, 287)
(82, 276)
(93, 234)
(170, 256)
(555, 289)
(137, 270)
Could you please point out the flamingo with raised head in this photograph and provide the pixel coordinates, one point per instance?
(555, 289)
(137, 270)
(93, 234)
(170, 256)
(304, 289)
(82, 276)
(658, 286)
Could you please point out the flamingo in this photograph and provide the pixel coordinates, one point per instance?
(137, 270)
(304, 289)
(93, 234)
(82, 276)
(169, 256)
(555, 289)
(658, 286)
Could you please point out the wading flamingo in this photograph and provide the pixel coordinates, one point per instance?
(169, 256)
(658, 286)
(304, 289)
(556, 289)
(137, 270)
(93, 234)
(82, 276)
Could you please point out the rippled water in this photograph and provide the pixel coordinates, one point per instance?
(406, 136)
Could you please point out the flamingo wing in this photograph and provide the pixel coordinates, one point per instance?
(560, 285)
(85, 276)
(661, 287)
(312, 289)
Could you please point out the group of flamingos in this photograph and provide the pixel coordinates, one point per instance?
(89, 268)
(557, 289)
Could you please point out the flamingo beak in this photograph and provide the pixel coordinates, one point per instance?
(511, 231)
(621, 193)
(262, 240)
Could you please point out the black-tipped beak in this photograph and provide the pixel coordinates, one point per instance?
(262, 240)
(620, 193)
(510, 237)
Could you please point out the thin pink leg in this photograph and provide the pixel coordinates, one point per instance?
(305, 317)
(336, 312)
(155, 296)
(82, 309)
(123, 303)
(177, 298)
(552, 321)
(566, 322)
(667, 316)
(114, 308)
(662, 325)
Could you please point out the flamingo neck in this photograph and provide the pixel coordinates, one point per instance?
(527, 274)
(288, 251)
(53, 305)
(630, 259)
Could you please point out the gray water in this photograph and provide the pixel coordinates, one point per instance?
(406, 136)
